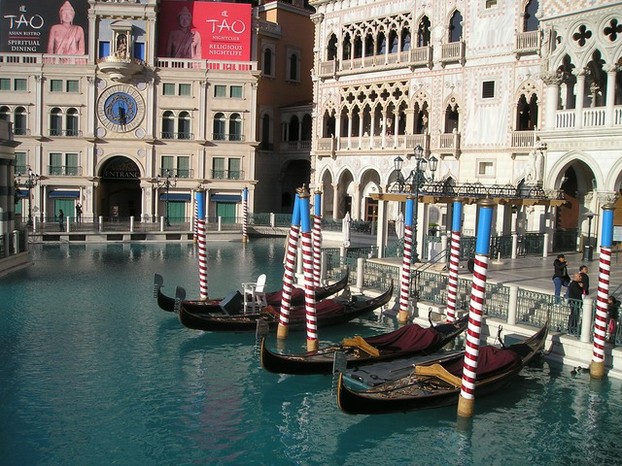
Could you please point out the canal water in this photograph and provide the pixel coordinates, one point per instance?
(92, 372)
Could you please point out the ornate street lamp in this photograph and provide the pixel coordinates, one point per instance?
(167, 182)
(588, 254)
(416, 179)
(32, 179)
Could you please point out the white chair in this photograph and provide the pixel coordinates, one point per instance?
(254, 295)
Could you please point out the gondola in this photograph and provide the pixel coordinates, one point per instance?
(409, 340)
(437, 382)
(234, 301)
(332, 311)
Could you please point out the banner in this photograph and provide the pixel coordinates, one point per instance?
(58, 27)
(207, 30)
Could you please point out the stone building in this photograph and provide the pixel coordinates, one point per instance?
(521, 96)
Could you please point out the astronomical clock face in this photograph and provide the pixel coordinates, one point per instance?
(121, 108)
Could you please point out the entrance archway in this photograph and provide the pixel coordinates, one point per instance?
(119, 189)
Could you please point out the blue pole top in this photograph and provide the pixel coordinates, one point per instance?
(484, 227)
(456, 221)
(296, 211)
(305, 221)
(410, 207)
(607, 229)
(317, 204)
(200, 198)
(245, 194)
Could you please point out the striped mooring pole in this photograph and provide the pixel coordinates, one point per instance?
(290, 270)
(466, 400)
(245, 215)
(404, 314)
(454, 261)
(307, 266)
(317, 237)
(201, 231)
(195, 225)
(597, 368)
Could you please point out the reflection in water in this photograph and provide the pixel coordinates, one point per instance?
(93, 372)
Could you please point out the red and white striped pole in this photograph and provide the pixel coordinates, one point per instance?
(200, 198)
(597, 368)
(195, 226)
(466, 400)
(307, 265)
(245, 215)
(317, 238)
(290, 270)
(404, 314)
(454, 261)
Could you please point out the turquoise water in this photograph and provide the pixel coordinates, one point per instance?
(92, 372)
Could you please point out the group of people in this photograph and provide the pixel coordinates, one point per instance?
(61, 216)
(577, 287)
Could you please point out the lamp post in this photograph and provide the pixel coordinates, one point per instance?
(167, 182)
(588, 254)
(32, 179)
(416, 179)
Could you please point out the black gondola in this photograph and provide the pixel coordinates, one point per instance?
(409, 340)
(437, 382)
(234, 302)
(329, 312)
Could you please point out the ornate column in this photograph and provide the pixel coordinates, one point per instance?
(552, 82)
(611, 95)
(580, 91)
(336, 194)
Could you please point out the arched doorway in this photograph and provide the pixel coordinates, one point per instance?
(119, 193)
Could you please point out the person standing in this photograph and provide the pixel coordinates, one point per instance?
(61, 219)
(613, 313)
(575, 294)
(78, 212)
(585, 279)
(560, 275)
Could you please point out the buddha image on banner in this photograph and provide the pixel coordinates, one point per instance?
(205, 30)
(57, 27)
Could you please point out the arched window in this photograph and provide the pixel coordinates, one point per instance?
(168, 125)
(423, 33)
(369, 45)
(346, 52)
(358, 46)
(306, 128)
(393, 42)
(455, 27)
(527, 113)
(220, 127)
(71, 122)
(331, 50)
(183, 126)
(381, 45)
(329, 125)
(56, 122)
(530, 22)
(20, 127)
(452, 118)
(294, 129)
(405, 40)
(235, 127)
(267, 62)
(5, 113)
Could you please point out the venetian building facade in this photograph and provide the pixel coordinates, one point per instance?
(153, 100)
(468, 81)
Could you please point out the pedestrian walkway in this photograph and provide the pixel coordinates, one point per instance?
(535, 273)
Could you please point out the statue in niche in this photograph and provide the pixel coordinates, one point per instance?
(536, 164)
(121, 51)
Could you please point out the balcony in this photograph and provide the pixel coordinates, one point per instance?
(176, 173)
(523, 139)
(55, 170)
(413, 58)
(453, 53)
(329, 147)
(450, 143)
(227, 175)
(228, 137)
(69, 133)
(178, 136)
(121, 69)
(595, 117)
(527, 43)
(21, 131)
(214, 65)
(295, 146)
